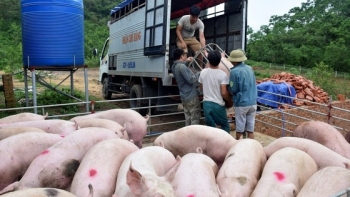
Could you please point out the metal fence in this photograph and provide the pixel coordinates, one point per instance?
(277, 122)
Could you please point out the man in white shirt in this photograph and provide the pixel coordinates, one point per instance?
(214, 83)
(186, 28)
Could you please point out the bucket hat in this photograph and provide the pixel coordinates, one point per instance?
(237, 56)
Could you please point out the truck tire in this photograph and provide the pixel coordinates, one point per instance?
(136, 92)
(105, 93)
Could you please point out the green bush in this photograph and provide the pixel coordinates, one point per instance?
(322, 76)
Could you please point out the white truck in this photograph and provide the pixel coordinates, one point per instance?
(136, 58)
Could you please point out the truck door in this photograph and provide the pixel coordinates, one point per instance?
(104, 60)
(157, 15)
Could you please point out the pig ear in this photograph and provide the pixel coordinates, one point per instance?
(134, 180)
(147, 117)
(171, 173)
(347, 165)
(161, 144)
(76, 125)
(10, 188)
(199, 150)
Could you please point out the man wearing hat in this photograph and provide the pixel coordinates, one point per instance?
(243, 88)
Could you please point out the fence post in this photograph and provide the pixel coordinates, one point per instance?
(335, 74)
(284, 67)
(270, 65)
(329, 115)
(283, 123)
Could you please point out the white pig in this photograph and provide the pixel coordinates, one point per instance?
(22, 117)
(323, 156)
(56, 166)
(195, 176)
(213, 141)
(136, 125)
(324, 134)
(61, 127)
(143, 173)
(241, 169)
(285, 173)
(104, 123)
(17, 152)
(326, 182)
(7, 132)
(100, 167)
(39, 192)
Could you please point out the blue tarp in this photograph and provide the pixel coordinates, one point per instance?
(273, 100)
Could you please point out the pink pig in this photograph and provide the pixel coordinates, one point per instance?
(324, 134)
(285, 173)
(22, 117)
(17, 152)
(61, 127)
(56, 166)
(241, 169)
(136, 125)
(326, 182)
(100, 167)
(7, 132)
(195, 176)
(323, 156)
(104, 123)
(213, 141)
(145, 173)
(40, 192)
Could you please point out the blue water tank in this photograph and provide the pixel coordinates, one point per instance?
(52, 33)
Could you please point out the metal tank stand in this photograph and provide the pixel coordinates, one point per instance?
(38, 79)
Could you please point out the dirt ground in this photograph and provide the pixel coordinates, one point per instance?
(62, 79)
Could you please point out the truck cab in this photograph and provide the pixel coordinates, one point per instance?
(137, 57)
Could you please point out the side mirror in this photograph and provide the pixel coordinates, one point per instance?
(94, 52)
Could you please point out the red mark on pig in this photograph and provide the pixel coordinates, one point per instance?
(45, 152)
(280, 176)
(191, 195)
(93, 172)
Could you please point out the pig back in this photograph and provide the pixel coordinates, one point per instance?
(17, 152)
(136, 125)
(7, 132)
(242, 168)
(213, 141)
(196, 176)
(324, 134)
(56, 166)
(22, 117)
(61, 127)
(100, 167)
(326, 182)
(285, 173)
(39, 192)
(323, 156)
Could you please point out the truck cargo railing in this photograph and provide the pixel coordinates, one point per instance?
(197, 62)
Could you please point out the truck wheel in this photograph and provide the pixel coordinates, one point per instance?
(105, 93)
(136, 92)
